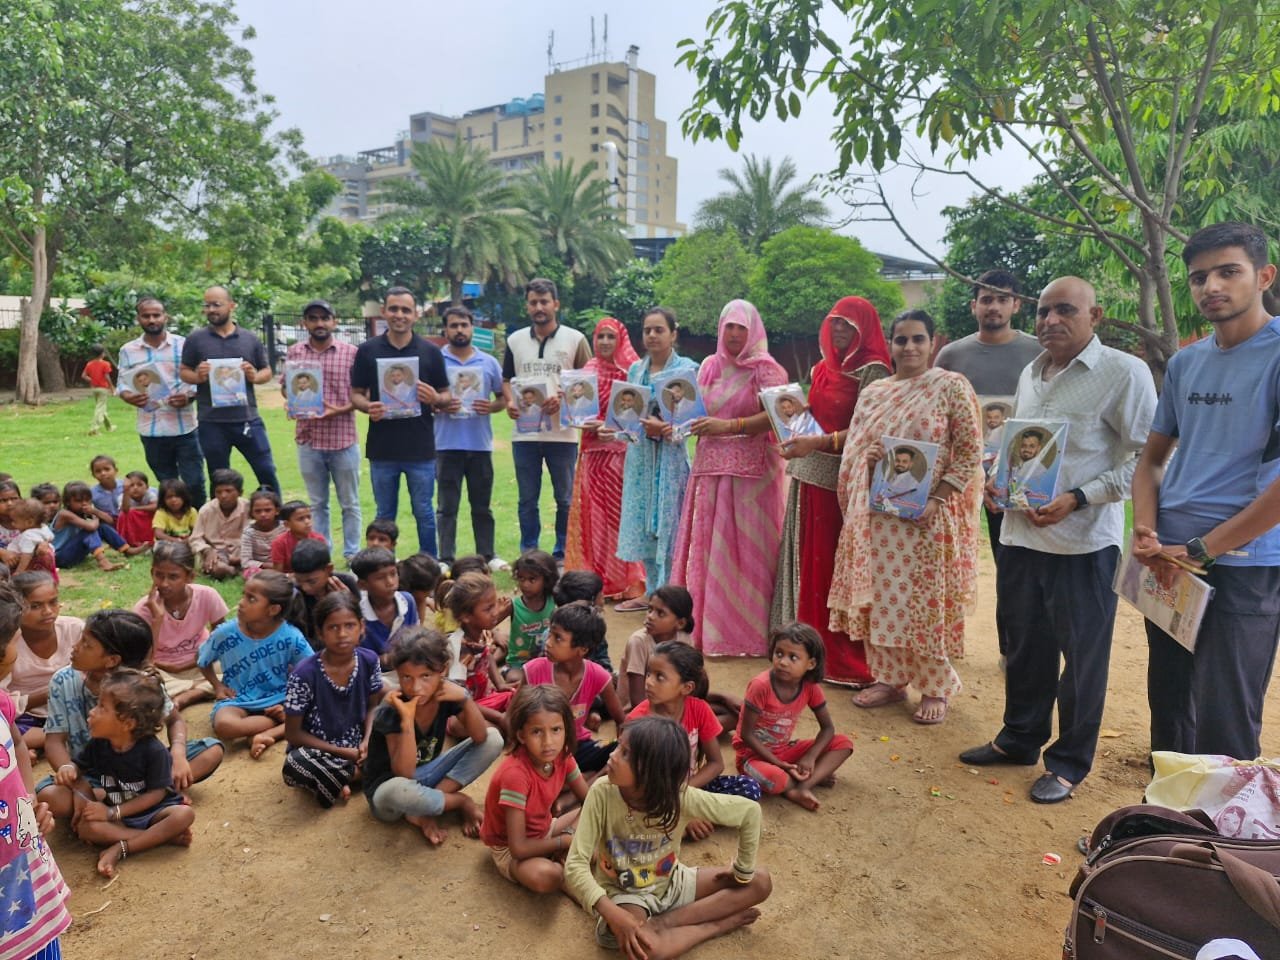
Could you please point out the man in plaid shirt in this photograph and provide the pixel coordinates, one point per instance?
(327, 445)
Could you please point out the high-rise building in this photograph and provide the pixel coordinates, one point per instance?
(601, 112)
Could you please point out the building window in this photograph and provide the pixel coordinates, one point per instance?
(559, 137)
(558, 98)
(642, 166)
(557, 155)
(595, 83)
(595, 148)
(559, 121)
(642, 214)
(642, 198)
(642, 131)
(595, 131)
(595, 109)
(642, 149)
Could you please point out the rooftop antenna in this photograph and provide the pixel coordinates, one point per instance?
(551, 45)
(606, 36)
(593, 38)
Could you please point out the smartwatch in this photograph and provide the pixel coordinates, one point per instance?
(1196, 551)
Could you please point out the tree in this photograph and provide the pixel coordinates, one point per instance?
(575, 221)
(113, 109)
(804, 270)
(458, 190)
(631, 292)
(700, 274)
(1122, 89)
(761, 203)
(403, 254)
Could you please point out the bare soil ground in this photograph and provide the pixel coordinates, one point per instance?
(912, 854)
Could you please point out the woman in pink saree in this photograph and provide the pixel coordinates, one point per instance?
(596, 509)
(726, 552)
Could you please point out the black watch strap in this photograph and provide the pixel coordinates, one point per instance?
(1081, 499)
(1197, 551)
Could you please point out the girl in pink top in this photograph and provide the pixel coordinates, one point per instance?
(41, 648)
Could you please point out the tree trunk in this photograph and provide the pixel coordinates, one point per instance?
(53, 379)
(455, 291)
(28, 381)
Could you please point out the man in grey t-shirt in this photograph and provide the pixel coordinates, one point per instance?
(992, 360)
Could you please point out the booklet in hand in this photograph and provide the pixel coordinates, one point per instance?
(581, 401)
(303, 390)
(466, 386)
(1028, 463)
(146, 380)
(398, 387)
(226, 383)
(901, 482)
(1177, 610)
(995, 411)
(789, 413)
(679, 402)
(628, 406)
(530, 394)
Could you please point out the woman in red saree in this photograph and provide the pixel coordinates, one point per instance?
(854, 354)
(596, 509)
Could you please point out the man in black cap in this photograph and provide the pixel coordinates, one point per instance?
(327, 445)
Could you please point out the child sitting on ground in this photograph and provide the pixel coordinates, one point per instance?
(220, 525)
(41, 648)
(443, 619)
(536, 576)
(78, 534)
(296, 517)
(405, 773)
(775, 699)
(473, 601)
(419, 575)
(527, 843)
(315, 578)
(133, 806)
(9, 495)
(624, 864)
(111, 638)
(108, 492)
(260, 533)
(329, 704)
(50, 498)
(175, 518)
(28, 873)
(256, 651)
(584, 585)
(386, 609)
(575, 630)
(382, 533)
(137, 510)
(33, 545)
(180, 614)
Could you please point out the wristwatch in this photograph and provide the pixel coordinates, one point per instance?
(1081, 499)
(1197, 551)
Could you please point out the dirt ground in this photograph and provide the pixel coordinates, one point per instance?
(911, 855)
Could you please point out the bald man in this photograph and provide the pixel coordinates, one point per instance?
(224, 427)
(1057, 562)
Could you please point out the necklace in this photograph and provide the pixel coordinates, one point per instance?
(547, 768)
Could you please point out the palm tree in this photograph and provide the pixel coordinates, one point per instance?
(575, 221)
(458, 190)
(760, 203)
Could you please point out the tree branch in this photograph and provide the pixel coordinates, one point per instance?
(1149, 337)
(1176, 165)
(1118, 111)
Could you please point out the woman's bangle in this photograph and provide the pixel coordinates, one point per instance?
(835, 442)
(742, 425)
(115, 812)
(941, 500)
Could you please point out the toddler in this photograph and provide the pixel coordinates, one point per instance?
(473, 601)
(137, 510)
(32, 547)
(175, 518)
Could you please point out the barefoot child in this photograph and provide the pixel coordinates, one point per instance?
(180, 614)
(473, 601)
(624, 867)
(584, 585)
(41, 648)
(405, 773)
(264, 527)
(135, 807)
(78, 534)
(575, 630)
(256, 651)
(175, 518)
(670, 617)
(138, 506)
(329, 704)
(775, 699)
(28, 874)
(111, 639)
(526, 842)
(220, 525)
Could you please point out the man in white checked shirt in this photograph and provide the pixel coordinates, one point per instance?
(1057, 562)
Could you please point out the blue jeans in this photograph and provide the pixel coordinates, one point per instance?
(420, 477)
(80, 546)
(343, 466)
(560, 458)
(401, 797)
(247, 436)
(172, 458)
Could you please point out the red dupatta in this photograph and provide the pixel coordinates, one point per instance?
(838, 378)
(607, 371)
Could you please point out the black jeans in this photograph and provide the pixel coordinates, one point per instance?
(249, 437)
(1211, 701)
(452, 467)
(1056, 606)
(172, 458)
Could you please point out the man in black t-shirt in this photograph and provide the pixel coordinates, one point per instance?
(397, 444)
(237, 425)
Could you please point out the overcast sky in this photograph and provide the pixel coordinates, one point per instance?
(348, 75)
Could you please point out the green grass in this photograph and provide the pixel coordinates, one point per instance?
(51, 444)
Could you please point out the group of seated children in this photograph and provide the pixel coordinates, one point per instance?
(366, 676)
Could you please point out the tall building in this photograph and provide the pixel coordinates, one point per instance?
(601, 111)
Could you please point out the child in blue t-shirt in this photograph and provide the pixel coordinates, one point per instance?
(256, 651)
(387, 610)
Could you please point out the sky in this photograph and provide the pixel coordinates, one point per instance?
(348, 75)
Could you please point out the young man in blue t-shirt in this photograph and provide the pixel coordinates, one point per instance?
(1217, 503)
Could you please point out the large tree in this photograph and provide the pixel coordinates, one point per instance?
(571, 212)
(700, 274)
(760, 202)
(117, 109)
(1110, 100)
(457, 189)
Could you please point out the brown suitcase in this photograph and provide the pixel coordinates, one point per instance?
(1158, 884)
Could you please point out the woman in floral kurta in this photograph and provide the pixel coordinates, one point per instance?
(903, 586)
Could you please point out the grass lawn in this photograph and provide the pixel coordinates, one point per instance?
(51, 444)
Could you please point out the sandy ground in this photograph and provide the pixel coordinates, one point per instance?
(912, 854)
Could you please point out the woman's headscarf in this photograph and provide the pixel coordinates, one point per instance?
(838, 377)
(607, 371)
(730, 384)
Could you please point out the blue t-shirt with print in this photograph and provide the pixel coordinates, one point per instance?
(257, 670)
(1223, 408)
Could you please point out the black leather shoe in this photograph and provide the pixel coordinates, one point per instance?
(1049, 789)
(987, 754)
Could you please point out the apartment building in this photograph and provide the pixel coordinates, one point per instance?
(599, 111)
